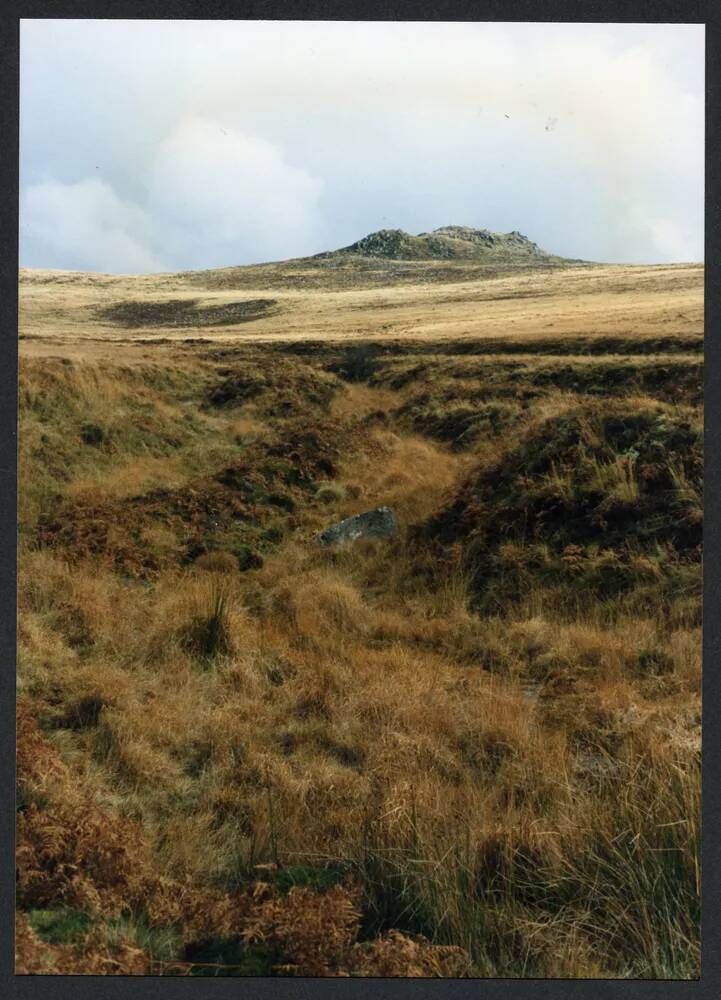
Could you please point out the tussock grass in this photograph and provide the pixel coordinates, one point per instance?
(207, 635)
(483, 735)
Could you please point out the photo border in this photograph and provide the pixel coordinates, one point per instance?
(147, 987)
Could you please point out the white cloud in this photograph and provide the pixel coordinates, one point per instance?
(224, 196)
(214, 196)
(84, 226)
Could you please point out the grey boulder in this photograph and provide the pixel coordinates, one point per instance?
(377, 523)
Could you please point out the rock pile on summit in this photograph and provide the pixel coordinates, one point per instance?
(448, 242)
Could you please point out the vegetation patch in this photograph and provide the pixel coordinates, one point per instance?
(60, 926)
(462, 424)
(320, 879)
(208, 636)
(184, 312)
(579, 502)
(225, 512)
(357, 363)
(281, 390)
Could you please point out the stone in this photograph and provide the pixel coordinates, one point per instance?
(377, 523)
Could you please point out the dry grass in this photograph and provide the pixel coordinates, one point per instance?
(327, 762)
(316, 304)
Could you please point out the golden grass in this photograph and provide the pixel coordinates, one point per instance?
(634, 301)
(522, 784)
(330, 729)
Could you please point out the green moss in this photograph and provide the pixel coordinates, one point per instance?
(61, 925)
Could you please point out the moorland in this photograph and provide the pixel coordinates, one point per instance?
(473, 749)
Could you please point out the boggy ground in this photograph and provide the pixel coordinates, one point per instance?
(471, 751)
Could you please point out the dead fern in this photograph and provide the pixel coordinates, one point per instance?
(314, 931)
(396, 954)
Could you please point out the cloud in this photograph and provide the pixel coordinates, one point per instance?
(214, 196)
(84, 226)
(219, 196)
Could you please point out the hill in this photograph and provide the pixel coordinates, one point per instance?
(391, 257)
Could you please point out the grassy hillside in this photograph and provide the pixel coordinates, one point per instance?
(473, 750)
(355, 297)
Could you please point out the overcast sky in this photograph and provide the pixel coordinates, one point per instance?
(167, 145)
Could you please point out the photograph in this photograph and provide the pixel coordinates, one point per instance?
(360, 499)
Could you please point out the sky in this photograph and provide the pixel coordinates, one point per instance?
(151, 146)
